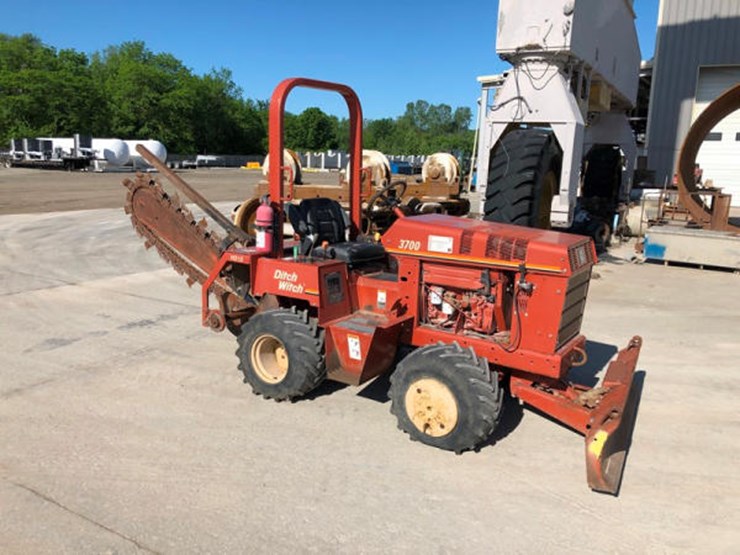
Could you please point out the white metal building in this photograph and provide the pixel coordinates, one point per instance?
(719, 156)
(697, 57)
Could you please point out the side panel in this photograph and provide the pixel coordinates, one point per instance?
(357, 350)
(334, 292)
(409, 273)
(289, 278)
(381, 294)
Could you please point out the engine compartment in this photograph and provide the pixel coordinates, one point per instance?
(466, 300)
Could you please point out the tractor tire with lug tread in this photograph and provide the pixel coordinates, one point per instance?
(446, 396)
(523, 177)
(281, 353)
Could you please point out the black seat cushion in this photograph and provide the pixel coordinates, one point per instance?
(318, 220)
(321, 220)
(353, 252)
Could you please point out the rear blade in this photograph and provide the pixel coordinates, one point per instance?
(612, 423)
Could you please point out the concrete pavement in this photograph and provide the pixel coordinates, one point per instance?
(125, 426)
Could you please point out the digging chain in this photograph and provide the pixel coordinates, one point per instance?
(144, 189)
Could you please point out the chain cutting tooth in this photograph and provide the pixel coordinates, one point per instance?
(151, 238)
(152, 192)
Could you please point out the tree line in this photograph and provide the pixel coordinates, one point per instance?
(128, 91)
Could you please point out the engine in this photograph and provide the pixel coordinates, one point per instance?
(460, 310)
(463, 300)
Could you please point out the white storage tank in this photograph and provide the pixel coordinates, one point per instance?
(155, 147)
(114, 151)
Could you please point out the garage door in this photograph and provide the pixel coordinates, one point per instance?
(719, 155)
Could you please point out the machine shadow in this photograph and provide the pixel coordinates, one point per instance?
(511, 415)
(327, 387)
(606, 257)
(377, 389)
(599, 354)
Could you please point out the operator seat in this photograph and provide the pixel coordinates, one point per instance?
(321, 220)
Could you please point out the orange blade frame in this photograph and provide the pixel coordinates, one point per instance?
(610, 429)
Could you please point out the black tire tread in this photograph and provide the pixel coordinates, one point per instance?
(480, 386)
(298, 332)
(517, 165)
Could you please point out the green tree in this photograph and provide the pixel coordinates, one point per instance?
(319, 129)
(43, 92)
(149, 95)
(312, 129)
(422, 129)
(222, 121)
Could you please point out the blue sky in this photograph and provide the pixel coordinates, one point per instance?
(390, 52)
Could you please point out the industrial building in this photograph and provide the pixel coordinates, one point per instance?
(697, 57)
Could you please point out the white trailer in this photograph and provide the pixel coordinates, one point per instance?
(558, 119)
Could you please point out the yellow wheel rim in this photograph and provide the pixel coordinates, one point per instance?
(431, 407)
(549, 186)
(269, 359)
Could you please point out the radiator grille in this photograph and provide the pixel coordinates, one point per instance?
(573, 307)
(466, 242)
(581, 255)
(506, 248)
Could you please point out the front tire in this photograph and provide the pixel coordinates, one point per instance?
(281, 353)
(446, 396)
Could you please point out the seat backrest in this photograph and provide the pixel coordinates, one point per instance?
(316, 220)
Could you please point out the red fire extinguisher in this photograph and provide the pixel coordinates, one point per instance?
(263, 225)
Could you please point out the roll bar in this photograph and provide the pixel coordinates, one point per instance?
(276, 129)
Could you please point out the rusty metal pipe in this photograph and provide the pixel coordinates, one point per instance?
(723, 106)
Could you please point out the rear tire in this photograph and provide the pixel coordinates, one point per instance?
(446, 396)
(523, 176)
(281, 354)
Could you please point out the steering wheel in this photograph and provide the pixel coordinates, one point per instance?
(386, 197)
(379, 210)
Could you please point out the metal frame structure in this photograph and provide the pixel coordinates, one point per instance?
(575, 71)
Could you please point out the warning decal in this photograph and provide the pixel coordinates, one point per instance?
(353, 343)
(439, 243)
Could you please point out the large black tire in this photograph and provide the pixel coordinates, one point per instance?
(281, 353)
(523, 176)
(446, 396)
